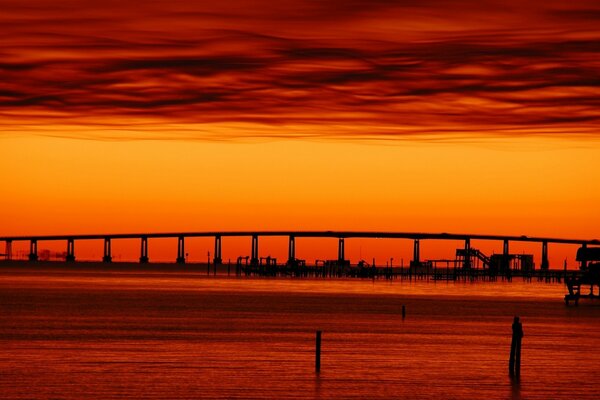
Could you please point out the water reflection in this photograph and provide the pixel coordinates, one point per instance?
(160, 335)
(515, 386)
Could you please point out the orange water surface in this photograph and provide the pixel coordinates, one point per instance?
(132, 334)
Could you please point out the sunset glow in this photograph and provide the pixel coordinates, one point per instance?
(299, 199)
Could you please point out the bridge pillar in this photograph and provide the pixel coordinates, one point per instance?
(70, 250)
(144, 250)
(467, 260)
(254, 254)
(33, 253)
(107, 251)
(416, 253)
(8, 250)
(341, 250)
(505, 256)
(545, 264)
(180, 250)
(217, 260)
(292, 250)
(584, 260)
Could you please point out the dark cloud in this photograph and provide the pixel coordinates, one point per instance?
(382, 71)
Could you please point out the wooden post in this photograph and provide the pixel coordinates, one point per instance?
(318, 353)
(514, 362)
(403, 311)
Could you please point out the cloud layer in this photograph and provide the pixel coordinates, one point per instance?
(336, 69)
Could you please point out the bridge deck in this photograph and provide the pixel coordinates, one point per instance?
(306, 234)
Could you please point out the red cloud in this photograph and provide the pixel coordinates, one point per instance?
(418, 70)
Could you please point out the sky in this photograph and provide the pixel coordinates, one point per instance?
(470, 117)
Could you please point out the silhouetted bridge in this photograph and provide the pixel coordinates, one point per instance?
(292, 235)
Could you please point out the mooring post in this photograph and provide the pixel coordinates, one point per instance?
(514, 362)
(403, 311)
(318, 353)
(513, 345)
(518, 353)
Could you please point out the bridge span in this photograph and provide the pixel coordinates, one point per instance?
(416, 237)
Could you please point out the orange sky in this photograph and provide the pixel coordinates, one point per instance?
(481, 117)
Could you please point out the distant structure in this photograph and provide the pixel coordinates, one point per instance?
(466, 257)
(589, 259)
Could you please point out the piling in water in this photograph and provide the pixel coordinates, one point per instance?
(318, 353)
(403, 311)
(514, 362)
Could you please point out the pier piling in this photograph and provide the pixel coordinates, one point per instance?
(514, 362)
(318, 353)
(403, 311)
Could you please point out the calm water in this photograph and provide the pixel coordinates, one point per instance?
(95, 335)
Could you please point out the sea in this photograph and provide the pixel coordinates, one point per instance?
(69, 333)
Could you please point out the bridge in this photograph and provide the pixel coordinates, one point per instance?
(416, 237)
